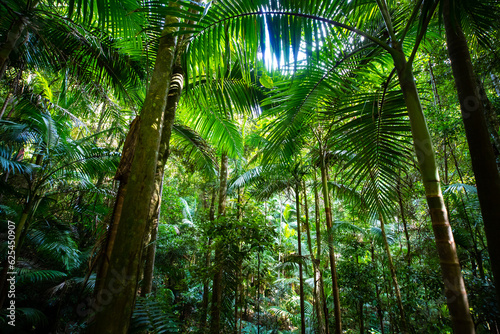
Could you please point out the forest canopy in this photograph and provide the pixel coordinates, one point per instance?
(236, 166)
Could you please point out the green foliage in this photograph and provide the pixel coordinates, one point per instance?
(278, 86)
(154, 316)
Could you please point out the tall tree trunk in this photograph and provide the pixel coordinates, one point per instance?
(483, 159)
(380, 311)
(149, 266)
(403, 220)
(394, 277)
(122, 175)
(9, 44)
(237, 297)
(116, 300)
(321, 289)
(361, 319)
(5, 104)
(301, 282)
(329, 224)
(318, 302)
(452, 276)
(12, 36)
(174, 94)
(491, 119)
(204, 302)
(217, 281)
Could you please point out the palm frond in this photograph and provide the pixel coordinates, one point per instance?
(218, 130)
(373, 127)
(193, 146)
(38, 275)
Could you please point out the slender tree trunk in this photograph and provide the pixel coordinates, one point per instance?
(147, 280)
(5, 104)
(393, 276)
(361, 319)
(321, 289)
(483, 159)
(380, 311)
(405, 225)
(306, 223)
(206, 288)
(215, 313)
(301, 282)
(116, 301)
(9, 44)
(491, 119)
(450, 266)
(237, 297)
(174, 94)
(204, 302)
(258, 291)
(318, 302)
(329, 224)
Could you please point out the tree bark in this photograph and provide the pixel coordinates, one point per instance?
(491, 119)
(361, 319)
(482, 156)
(122, 175)
(318, 302)
(116, 301)
(452, 276)
(318, 273)
(403, 220)
(174, 94)
(217, 281)
(380, 311)
(329, 224)
(204, 302)
(299, 242)
(149, 266)
(394, 277)
(12, 37)
(5, 104)
(206, 287)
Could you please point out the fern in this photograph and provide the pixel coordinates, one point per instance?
(38, 275)
(150, 315)
(27, 315)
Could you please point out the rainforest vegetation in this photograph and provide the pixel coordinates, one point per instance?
(249, 166)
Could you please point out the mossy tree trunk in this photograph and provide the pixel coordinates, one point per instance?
(174, 94)
(116, 301)
(122, 175)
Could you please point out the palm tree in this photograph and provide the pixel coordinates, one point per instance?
(230, 88)
(125, 256)
(267, 181)
(473, 116)
(60, 162)
(285, 23)
(40, 34)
